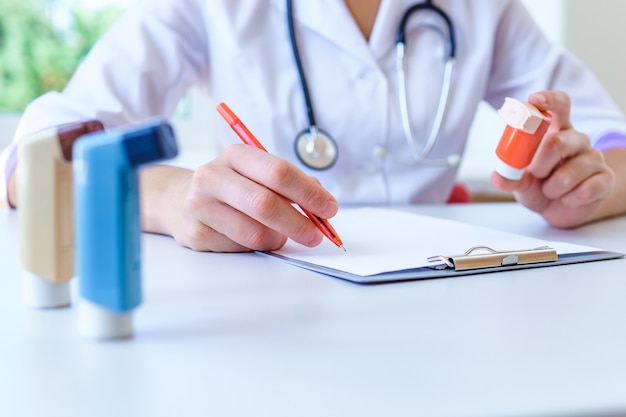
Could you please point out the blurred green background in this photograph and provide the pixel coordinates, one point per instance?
(42, 42)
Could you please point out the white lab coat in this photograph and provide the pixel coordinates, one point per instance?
(239, 52)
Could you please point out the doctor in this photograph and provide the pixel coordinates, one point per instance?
(242, 52)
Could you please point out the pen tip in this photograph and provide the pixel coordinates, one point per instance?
(344, 249)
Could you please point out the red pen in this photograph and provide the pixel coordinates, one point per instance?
(248, 138)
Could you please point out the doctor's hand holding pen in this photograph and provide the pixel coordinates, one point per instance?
(568, 182)
(240, 201)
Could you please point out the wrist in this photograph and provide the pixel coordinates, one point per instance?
(610, 140)
(163, 191)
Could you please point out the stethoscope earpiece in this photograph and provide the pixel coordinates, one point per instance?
(316, 149)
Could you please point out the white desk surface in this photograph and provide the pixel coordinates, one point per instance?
(247, 335)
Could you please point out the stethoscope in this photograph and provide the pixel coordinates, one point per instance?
(316, 149)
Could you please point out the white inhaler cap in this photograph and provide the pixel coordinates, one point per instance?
(96, 322)
(507, 171)
(38, 292)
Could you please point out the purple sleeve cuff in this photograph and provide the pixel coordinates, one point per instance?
(9, 168)
(610, 141)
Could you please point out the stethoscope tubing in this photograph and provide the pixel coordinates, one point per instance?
(427, 5)
(296, 56)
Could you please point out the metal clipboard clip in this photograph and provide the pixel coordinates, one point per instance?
(490, 258)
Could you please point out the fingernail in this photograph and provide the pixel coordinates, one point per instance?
(540, 98)
(329, 208)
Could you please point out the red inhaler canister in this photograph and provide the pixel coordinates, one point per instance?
(526, 126)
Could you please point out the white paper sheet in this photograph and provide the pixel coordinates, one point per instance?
(379, 240)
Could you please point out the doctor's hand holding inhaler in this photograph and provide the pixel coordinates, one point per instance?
(357, 103)
(566, 180)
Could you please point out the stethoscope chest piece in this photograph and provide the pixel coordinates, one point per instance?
(316, 149)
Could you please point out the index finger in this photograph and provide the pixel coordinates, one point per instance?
(558, 104)
(284, 178)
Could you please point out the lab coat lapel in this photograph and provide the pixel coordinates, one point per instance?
(383, 36)
(313, 15)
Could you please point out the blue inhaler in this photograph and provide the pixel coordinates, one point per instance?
(107, 223)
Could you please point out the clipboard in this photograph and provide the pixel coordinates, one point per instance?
(425, 257)
(440, 272)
